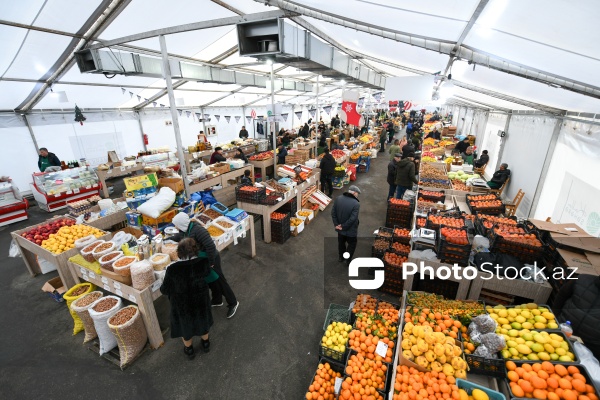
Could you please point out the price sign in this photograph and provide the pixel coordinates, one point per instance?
(156, 285)
(104, 280)
(337, 385)
(131, 298)
(76, 191)
(118, 292)
(88, 187)
(381, 349)
(106, 287)
(57, 195)
(117, 285)
(83, 271)
(69, 193)
(92, 275)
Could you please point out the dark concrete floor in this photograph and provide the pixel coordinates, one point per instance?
(269, 350)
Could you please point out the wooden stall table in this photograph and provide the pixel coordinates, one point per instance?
(30, 251)
(266, 210)
(205, 184)
(311, 147)
(227, 194)
(116, 172)
(144, 298)
(537, 292)
(263, 166)
(194, 157)
(248, 225)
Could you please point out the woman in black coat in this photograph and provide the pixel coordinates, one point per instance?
(185, 284)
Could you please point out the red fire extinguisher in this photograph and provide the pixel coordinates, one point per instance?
(145, 139)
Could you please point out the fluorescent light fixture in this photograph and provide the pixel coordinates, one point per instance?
(486, 22)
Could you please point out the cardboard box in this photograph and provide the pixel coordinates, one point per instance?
(55, 288)
(176, 184)
(221, 168)
(163, 218)
(134, 218)
(135, 232)
(113, 159)
(151, 230)
(140, 181)
(582, 262)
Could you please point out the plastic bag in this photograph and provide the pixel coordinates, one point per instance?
(207, 198)
(428, 255)
(157, 205)
(481, 241)
(45, 265)
(84, 315)
(493, 342)
(14, 249)
(483, 351)
(70, 298)
(100, 318)
(586, 358)
(129, 332)
(474, 334)
(142, 274)
(484, 323)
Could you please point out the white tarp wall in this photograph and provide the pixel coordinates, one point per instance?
(491, 141)
(525, 149)
(19, 158)
(577, 153)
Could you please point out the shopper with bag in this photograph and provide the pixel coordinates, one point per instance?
(405, 175)
(220, 287)
(186, 285)
(345, 220)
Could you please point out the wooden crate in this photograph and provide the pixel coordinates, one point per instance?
(29, 251)
(537, 292)
(464, 285)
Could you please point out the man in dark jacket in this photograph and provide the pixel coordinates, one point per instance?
(335, 122)
(281, 155)
(220, 287)
(484, 159)
(405, 175)
(243, 133)
(578, 301)
(390, 131)
(327, 166)
(217, 156)
(391, 175)
(499, 177)
(47, 159)
(435, 134)
(408, 148)
(304, 131)
(462, 146)
(345, 220)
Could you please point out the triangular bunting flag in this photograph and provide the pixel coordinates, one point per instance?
(248, 119)
(361, 101)
(298, 114)
(198, 116)
(139, 98)
(327, 109)
(284, 116)
(131, 94)
(377, 97)
(180, 112)
(237, 119)
(206, 116)
(218, 117)
(188, 113)
(312, 112)
(162, 105)
(228, 118)
(154, 104)
(123, 90)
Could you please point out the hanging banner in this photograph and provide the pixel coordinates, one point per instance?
(218, 117)
(188, 113)
(237, 119)
(123, 90)
(298, 114)
(274, 112)
(131, 94)
(180, 112)
(206, 116)
(348, 112)
(327, 109)
(198, 116)
(139, 98)
(260, 117)
(249, 120)
(284, 116)
(377, 97)
(228, 118)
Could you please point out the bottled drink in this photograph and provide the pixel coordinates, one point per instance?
(566, 329)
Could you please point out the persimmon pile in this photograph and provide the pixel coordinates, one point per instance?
(455, 236)
(421, 221)
(401, 232)
(278, 216)
(430, 193)
(437, 220)
(498, 220)
(394, 259)
(486, 204)
(411, 384)
(528, 239)
(323, 385)
(399, 202)
(547, 381)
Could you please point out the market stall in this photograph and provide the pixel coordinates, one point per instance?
(13, 207)
(226, 180)
(116, 172)
(53, 190)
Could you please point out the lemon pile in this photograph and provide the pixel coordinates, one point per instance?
(66, 236)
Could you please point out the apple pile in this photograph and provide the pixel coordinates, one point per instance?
(42, 232)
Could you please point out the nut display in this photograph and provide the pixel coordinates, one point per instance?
(92, 246)
(105, 305)
(109, 257)
(79, 291)
(89, 299)
(103, 246)
(122, 316)
(212, 214)
(381, 244)
(224, 224)
(214, 231)
(123, 262)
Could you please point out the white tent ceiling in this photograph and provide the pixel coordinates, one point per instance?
(555, 36)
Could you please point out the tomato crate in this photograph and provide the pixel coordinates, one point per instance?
(400, 248)
(427, 195)
(392, 285)
(480, 220)
(250, 194)
(524, 252)
(434, 226)
(401, 238)
(280, 230)
(291, 207)
(451, 252)
(392, 205)
(485, 210)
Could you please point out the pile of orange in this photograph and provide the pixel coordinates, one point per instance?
(322, 387)
(411, 384)
(365, 377)
(456, 236)
(365, 345)
(364, 302)
(439, 321)
(547, 381)
(388, 311)
(376, 324)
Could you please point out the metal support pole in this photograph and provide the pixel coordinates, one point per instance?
(273, 133)
(174, 113)
(203, 122)
(293, 115)
(139, 120)
(317, 99)
(547, 161)
(244, 117)
(35, 143)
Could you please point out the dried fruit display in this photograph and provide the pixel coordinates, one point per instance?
(214, 231)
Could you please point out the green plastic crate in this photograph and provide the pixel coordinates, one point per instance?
(469, 386)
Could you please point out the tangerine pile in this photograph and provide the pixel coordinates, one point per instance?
(448, 221)
(456, 236)
(547, 381)
(399, 202)
(486, 204)
(411, 384)
(440, 321)
(364, 302)
(401, 248)
(365, 345)
(381, 324)
(323, 385)
(394, 259)
(402, 232)
(498, 220)
(365, 377)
